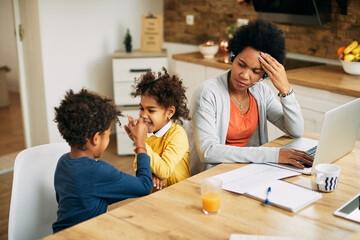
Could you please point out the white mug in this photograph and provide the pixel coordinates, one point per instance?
(326, 176)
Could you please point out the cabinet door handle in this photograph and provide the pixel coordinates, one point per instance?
(140, 70)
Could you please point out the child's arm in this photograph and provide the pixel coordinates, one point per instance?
(121, 185)
(163, 165)
(114, 185)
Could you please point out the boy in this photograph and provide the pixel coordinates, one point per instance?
(84, 185)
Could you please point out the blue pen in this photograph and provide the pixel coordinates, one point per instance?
(267, 201)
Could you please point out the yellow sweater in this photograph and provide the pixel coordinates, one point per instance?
(169, 155)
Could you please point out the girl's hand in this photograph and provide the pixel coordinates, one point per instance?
(292, 156)
(137, 131)
(131, 120)
(276, 72)
(157, 182)
(127, 130)
(133, 123)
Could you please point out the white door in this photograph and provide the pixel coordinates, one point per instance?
(30, 72)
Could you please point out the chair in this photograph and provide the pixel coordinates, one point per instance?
(33, 204)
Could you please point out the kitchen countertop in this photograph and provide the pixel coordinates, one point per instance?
(138, 54)
(325, 77)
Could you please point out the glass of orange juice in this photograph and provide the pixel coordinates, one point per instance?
(211, 195)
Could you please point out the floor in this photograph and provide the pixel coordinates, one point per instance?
(11, 127)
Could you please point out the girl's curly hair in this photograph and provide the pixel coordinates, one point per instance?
(81, 115)
(166, 90)
(261, 35)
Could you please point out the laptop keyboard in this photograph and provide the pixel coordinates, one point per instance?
(312, 151)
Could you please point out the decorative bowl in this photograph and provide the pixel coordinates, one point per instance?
(208, 51)
(351, 67)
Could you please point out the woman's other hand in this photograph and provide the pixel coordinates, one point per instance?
(276, 72)
(293, 157)
(157, 182)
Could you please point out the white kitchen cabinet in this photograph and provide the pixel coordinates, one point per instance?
(126, 68)
(211, 72)
(194, 74)
(191, 74)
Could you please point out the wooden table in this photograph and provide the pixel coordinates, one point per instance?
(175, 212)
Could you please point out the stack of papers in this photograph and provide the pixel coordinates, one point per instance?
(251, 177)
(254, 181)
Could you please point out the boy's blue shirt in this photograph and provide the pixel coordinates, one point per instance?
(85, 187)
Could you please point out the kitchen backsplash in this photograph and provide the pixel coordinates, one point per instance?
(212, 17)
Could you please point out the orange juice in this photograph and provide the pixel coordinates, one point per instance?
(211, 202)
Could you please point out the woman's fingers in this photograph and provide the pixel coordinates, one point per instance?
(266, 66)
(295, 157)
(270, 65)
(271, 60)
(276, 72)
(303, 157)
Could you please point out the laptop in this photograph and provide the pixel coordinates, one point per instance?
(338, 134)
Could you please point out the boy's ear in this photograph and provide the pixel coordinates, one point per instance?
(95, 139)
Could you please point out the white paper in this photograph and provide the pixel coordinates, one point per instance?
(251, 177)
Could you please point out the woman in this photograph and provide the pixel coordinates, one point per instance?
(230, 110)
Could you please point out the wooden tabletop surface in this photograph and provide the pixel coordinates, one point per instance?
(176, 213)
(325, 77)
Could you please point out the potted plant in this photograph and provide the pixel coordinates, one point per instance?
(127, 41)
(231, 30)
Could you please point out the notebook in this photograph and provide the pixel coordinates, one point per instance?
(338, 134)
(286, 195)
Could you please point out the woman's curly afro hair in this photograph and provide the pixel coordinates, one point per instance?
(81, 115)
(261, 35)
(166, 90)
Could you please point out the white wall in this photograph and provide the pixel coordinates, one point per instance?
(8, 55)
(78, 39)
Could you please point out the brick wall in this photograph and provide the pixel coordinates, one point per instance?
(212, 17)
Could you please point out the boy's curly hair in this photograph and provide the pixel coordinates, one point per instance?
(166, 90)
(261, 35)
(81, 115)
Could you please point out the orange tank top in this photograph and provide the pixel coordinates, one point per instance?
(242, 126)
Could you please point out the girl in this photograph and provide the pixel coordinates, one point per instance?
(163, 103)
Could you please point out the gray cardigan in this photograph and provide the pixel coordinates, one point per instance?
(210, 120)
